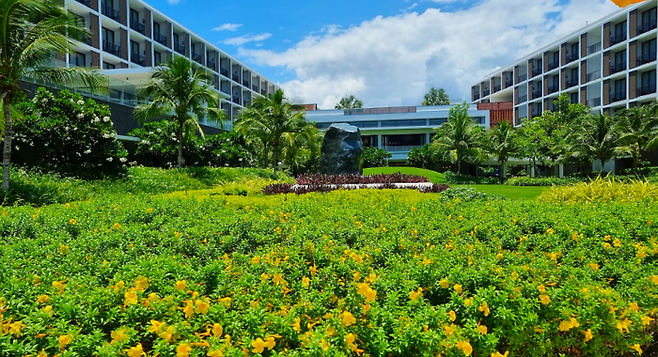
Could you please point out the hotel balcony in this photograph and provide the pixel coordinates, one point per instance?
(223, 72)
(236, 99)
(112, 48)
(138, 59)
(523, 77)
(86, 3)
(572, 57)
(245, 83)
(646, 26)
(536, 94)
(645, 58)
(486, 92)
(571, 82)
(138, 26)
(111, 12)
(196, 57)
(160, 38)
(255, 88)
(617, 38)
(263, 92)
(645, 89)
(180, 48)
(536, 71)
(509, 82)
(497, 88)
(593, 75)
(617, 96)
(594, 102)
(236, 77)
(476, 96)
(617, 67)
(211, 64)
(553, 89)
(553, 65)
(594, 48)
(522, 99)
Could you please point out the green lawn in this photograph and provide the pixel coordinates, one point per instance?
(511, 192)
(433, 176)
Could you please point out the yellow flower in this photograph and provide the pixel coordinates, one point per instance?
(452, 316)
(72, 221)
(42, 298)
(468, 302)
(594, 266)
(64, 340)
(183, 350)
(449, 330)
(306, 282)
(16, 327)
(348, 319)
(484, 308)
(458, 288)
(349, 339)
(616, 243)
(278, 279)
(498, 354)
(168, 334)
(295, 325)
(217, 330)
(444, 283)
(180, 285)
(216, 353)
(156, 326)
(499, 256)
(226, 301)
(622, 325)
(255, 260)
(483, 329)
(607, 245)
(415, 295)
(48, 310)
(637, 348)
(130, 297)
(465, 346)
(202, 307)
(258, 345)
(325, 345)
(633, 307)
(43, 353)
(120, 335)
(646, 320)
(542, 289)
(568, 325)
(588, 334)
(545, 299)
(189, 310)
(116, 226)
(550, 231)
(149, 210)
(141, 283)
(654, 279)
(136, 351)
(61, 285)
(270, 343)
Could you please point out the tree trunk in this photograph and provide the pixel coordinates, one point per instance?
(6, 154)
(180, 145)
(602, 167)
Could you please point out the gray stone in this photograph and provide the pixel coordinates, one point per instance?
(342, 150)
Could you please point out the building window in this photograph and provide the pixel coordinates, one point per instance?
(436, 122)
(399, 123)
(108, 35)
(108, 66)
(647, 83)
(157, 58)
(134, 47)
(78, 59)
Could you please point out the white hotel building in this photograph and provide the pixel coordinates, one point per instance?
(129, 36)
(607, 65)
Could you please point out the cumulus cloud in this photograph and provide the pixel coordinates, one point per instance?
(227, 27)
(241, 40)
(394, 60)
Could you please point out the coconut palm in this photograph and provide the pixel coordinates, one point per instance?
(31, 33)
(301, 147)
(436, 97)
(638, 127)
(178, 90)
(595, 139)
(349, 102)
(458, 139)
(268, 119)
(501, 142)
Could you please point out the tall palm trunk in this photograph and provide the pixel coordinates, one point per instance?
(6, 155)
(180, 145)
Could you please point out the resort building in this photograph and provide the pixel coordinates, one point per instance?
(129, 36)
(608, 65)
(395, 129)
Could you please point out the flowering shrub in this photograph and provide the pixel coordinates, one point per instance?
(322, 179)
(369, 272)
(159, 148)
(67, 134)
(602, 190)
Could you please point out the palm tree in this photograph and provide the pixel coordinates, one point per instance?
(458, 139)
(595, 139)
(301, 147)
(349, 102)
(501, 143)
(436, 97)
(268, 119)
(178, 90)
(31, 32)
(637, 128)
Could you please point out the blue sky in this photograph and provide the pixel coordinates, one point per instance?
(386, 52)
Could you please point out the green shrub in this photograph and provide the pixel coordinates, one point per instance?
(461, 179)
(375, 157)
(602, 190)
(67, 134)
(422, 157)
(465, 193)
(541, 181)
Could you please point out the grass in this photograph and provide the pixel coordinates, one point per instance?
(511, 192)
(433, 176)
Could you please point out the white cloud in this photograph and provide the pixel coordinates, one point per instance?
(390, 61)
(226, 27)
(174, 2)
(241, 40)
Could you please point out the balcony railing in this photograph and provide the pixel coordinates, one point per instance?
(236, 77)
(594, 102)
(497, 88)
(536, 71)
(572, 57)
(486, 92)
(523, 77)
(646, 26)
(86, 3)
(571, 82)
(211, 64)
(645, 58)
(553, 65)
(553, 89)
(138, 59)
(111, 12)
(180, 48)
(617, 96)
(89, 41)
(111, 47)
(223, 72)
(255, 88)
(594, 48)
(645, 89)
(616, 38)
(246, 102)
(509, 82)
(160, 38)
(401, 148)
(617, 67)
(245, 83)
(476, 96)
(137, 26)
(536, 94)
(263, 92)
(196, 57)
(523, 98)
(594, 75)
(225, 90)
(236, 99)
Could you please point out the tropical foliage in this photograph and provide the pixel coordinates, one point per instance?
(436, 97)
(375, 157)
(349, 102)
(502, 143)
(459, 139)
(30, 32)
(179, 91)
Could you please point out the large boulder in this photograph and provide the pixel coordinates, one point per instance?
(342, 150)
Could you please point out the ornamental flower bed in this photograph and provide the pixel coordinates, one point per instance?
(321, 179)
(363, 272)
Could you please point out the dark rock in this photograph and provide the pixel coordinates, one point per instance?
(342, 150)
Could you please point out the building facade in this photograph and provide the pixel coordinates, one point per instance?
(129, 36)
(608, 65)
(394, 129)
